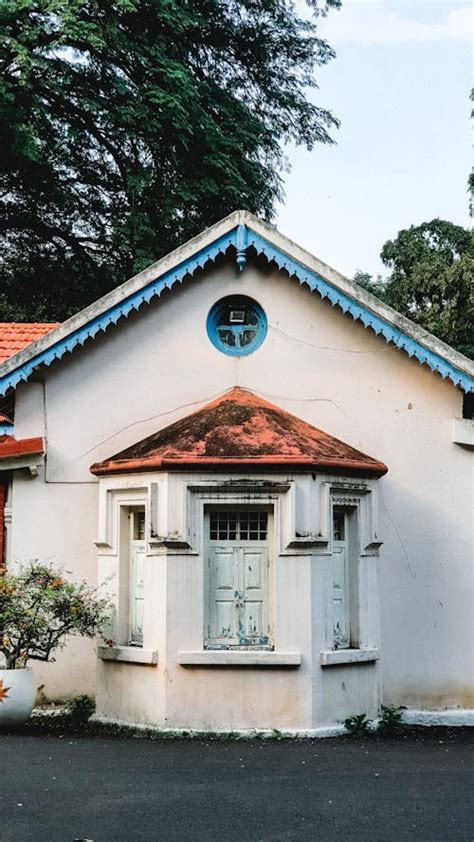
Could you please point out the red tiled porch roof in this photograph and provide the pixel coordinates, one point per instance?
(10, 446)
(241, 430)
(14, 336)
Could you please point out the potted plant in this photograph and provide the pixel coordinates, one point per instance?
(39, 608)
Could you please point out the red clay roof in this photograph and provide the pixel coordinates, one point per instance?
(14, 336)
(241, 430)
(10, 446)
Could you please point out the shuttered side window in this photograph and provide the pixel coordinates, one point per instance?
(136, 576)
(345, 584)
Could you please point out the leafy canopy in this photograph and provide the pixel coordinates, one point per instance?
(128, 126)
(39, 609)
(431, 280)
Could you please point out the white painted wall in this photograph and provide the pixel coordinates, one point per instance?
(159, 365)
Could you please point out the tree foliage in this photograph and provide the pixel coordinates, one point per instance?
(128, 126)
(470, 180)
(431, 280)
(39, 609)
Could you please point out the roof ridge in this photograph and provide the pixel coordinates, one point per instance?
(241, 231)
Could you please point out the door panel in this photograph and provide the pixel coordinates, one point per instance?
(238, 582)
(224, 568)
(255, 565)
(255, 561)
(224, 625)
(253, 626)
(223, 590)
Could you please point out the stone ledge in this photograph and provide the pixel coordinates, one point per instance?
(127, 654)
(463, 432)
(236, 658)
(348, 656)
(450, 717)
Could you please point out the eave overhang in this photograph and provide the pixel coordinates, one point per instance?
(21, 453)
(243, 235)
(265, 464)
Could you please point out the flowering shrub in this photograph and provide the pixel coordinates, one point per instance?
(39, 609)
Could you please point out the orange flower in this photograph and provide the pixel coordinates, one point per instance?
(3, 691)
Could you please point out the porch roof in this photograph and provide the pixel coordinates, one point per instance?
(241, 430)
(15, 336)
(11, 447)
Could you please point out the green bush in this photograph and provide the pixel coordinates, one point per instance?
(358, 725)
(39, 608)
(80, 708)
(391, 720)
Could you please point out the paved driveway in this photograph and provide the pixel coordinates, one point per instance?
(59, 789)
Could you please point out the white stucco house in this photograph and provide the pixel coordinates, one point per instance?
(270, 471)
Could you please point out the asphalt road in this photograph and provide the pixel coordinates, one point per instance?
(60, 789)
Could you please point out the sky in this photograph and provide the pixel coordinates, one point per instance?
(400, 86)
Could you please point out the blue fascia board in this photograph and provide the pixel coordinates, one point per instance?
(131, 303)
(240, 238)
(360, 313)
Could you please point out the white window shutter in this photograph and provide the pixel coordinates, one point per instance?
(137, 591)
(340, 596)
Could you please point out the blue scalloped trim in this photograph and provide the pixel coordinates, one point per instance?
(240, 238)
(117, 311)
(360, 313)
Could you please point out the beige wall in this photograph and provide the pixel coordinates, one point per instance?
(159, 365)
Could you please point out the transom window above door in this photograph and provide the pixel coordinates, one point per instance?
(238, 525)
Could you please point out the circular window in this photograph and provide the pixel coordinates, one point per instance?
(237, 325)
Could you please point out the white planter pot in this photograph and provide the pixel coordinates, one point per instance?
(17, 696)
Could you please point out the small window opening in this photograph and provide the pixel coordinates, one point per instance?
(237, 317)
(468, 405)
(339, 525)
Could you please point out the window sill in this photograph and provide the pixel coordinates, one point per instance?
(127, 654)
(348, 656)
(236, 658)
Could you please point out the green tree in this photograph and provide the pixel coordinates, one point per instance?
(470, 180)
(367, 282)
(127, 126)
(431, 280)
(39, 609)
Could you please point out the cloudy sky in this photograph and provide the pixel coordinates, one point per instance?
(400, 86)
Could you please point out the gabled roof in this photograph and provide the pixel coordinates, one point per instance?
(244, 235)
(241, 430)
(14, 336)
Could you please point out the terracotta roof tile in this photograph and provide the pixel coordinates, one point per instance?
(241, 430)
(14, 336)
(10, 446)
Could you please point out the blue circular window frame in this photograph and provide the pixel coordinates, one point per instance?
(212, 324)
